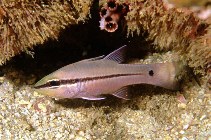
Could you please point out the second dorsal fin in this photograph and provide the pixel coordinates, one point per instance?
(118, 55)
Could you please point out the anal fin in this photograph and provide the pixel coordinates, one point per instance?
(122, 93)
(93, 98)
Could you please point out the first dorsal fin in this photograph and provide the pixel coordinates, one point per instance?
(93, 59)
(118, 55)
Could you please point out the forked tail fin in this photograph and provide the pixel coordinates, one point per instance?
(167, 74)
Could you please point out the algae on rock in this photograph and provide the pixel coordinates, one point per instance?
(25, 23)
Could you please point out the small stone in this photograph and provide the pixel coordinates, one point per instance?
(185, 126)
(36, 94)
(23, 102)
(52, 125)
(182, 132)
(8, 133)
(79, 138)
(42, 107)
(81, 133)
(202, 117)
(182, 105)
(181, 99)
(3, 107)
(2, 79)
(184, 138)
(58, 135)
(71, 136)
(200, 100)
(167, 138)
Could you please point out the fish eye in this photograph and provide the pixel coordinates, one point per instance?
(54, 83)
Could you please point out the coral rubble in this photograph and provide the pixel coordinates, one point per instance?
(25, 23)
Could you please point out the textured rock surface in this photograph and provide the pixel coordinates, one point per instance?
(25, 23)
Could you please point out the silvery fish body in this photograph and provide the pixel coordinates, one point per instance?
(92, 78)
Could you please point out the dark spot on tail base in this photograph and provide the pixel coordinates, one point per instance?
(151, 73)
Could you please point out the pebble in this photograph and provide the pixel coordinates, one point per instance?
(58, 135)
(42, 107)
(182, 132)
(202, 117)
(185, 126)
(79, 138)
(2, 80)
(71, 136)
(184, 138)
(167, 138)
(182, 105)
(81, 133)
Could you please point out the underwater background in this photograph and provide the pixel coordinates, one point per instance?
(39, 37)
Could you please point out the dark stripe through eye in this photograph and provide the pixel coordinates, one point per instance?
(57, 83)
(54, 83)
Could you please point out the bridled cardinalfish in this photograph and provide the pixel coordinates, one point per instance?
(92, 78)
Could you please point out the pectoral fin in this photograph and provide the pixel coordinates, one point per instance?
(122, 93)
(93, 98)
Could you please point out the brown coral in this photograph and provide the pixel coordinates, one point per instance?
(25, 23)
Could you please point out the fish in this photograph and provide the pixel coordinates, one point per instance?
(93, 78)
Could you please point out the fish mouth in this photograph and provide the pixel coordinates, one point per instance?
(45, 82)
(43, 87)
(39, 87)
(40, 84)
